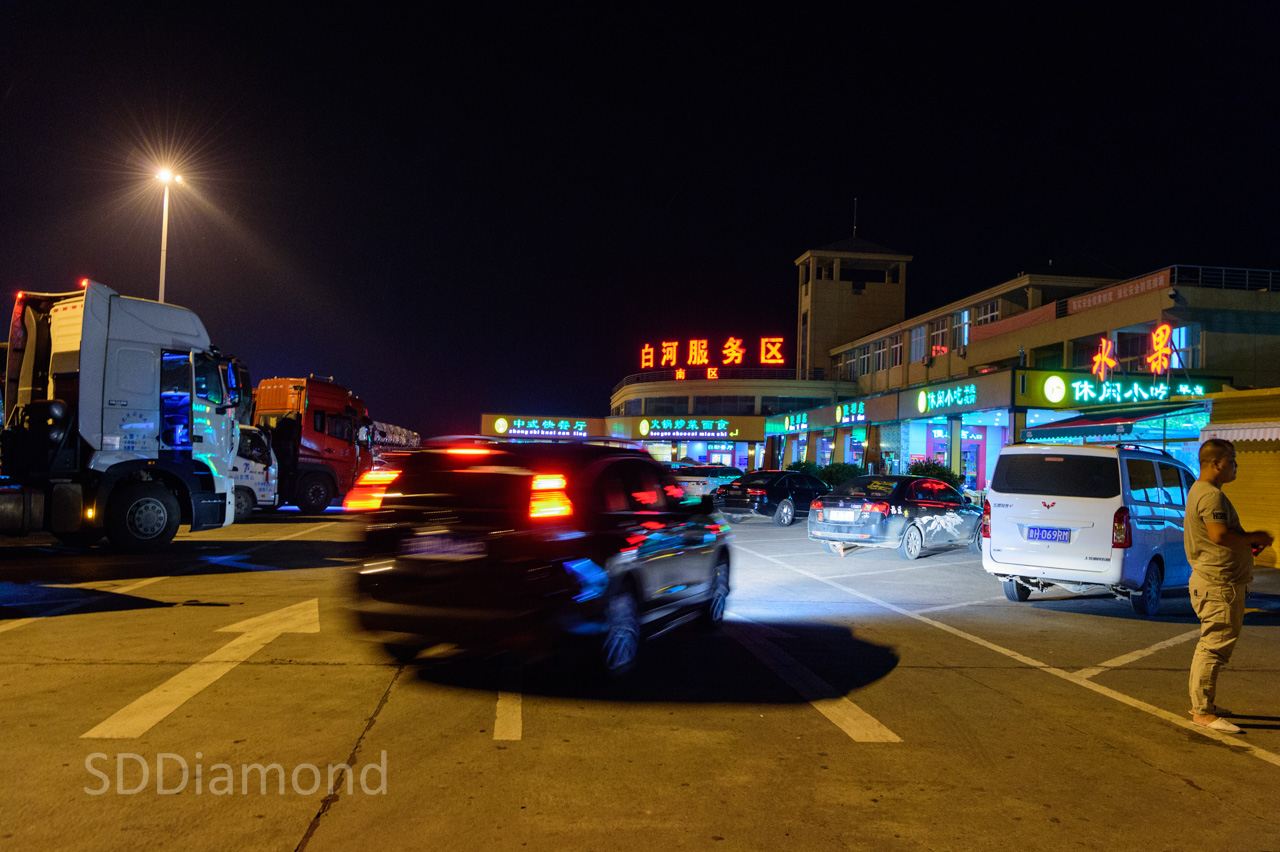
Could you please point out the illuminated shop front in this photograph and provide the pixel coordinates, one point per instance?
(731, 441)
(1155, 411)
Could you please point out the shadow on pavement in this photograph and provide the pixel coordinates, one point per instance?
(692, 666)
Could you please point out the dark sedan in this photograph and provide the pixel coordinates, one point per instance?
(527, 547)
(783, 495)
(911, 513)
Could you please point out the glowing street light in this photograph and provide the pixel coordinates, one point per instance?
(166, 177)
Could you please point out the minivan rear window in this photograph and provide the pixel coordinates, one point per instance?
(1060, 475)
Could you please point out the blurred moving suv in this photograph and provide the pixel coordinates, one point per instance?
(1088, 519)
(521, 546)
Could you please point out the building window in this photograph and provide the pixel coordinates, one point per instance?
(938, 339)
(773, 405)
(878, 359)
(917, 343)
(724, 406)
(632, 408)
(960, 329)
(666, 405)
(895, 351)
(864, 361)
(987, 312)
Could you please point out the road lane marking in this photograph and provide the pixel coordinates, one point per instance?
(957, 605)
(870, 573)
(860, 725)
(508, 724)
(96, 585)
(1234, 741)
(1125, 659)
(144, 713)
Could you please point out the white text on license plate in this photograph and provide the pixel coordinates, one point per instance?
(1048, 534)
(845, 515)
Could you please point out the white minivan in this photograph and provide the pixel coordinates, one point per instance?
(1088, 519)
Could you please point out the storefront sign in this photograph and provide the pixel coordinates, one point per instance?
(851, 412)
(1103, 362)
(698, 352)
(1161, 351)
(952, 397)
(540, 427)
(679, 427)
(1042, 389)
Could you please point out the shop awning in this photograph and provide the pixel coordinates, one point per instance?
(1106, 424)
(1264, 430)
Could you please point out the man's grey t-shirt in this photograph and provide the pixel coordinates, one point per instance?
(1214, 562)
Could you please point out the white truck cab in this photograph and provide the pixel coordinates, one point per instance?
(118, 421)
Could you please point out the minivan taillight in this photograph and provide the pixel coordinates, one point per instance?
(1121, 529)
(986, 519)
(369, 490)
(547, 497)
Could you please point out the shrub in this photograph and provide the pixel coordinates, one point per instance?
(935, 470)
(804, 467)
(839, 473)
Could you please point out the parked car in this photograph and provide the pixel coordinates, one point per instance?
(705, 479)
(783, 495)
(531, 546)
(910, 513)
(1087, 518)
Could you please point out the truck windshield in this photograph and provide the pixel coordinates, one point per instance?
(208, 380)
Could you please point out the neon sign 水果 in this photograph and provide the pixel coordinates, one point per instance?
(1103, 362)
(1161, 352)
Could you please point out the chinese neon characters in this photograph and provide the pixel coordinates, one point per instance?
(699, 353)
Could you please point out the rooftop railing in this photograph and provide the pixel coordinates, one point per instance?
(1225, 277)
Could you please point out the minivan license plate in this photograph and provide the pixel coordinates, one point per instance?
(1048, 534)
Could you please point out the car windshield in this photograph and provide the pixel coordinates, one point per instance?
(870, 486)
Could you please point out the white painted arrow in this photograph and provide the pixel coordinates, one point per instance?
(139, 717)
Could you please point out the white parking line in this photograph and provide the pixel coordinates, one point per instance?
(508, 725)
(860, 725)
(870, 573)
(956, 605)
(1133, 657)
(1235, 742)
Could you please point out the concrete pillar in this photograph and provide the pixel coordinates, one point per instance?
(1019, 421)
(955, 462)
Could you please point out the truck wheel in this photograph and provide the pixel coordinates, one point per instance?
(142, 516)
(244, 504)
(314, 494)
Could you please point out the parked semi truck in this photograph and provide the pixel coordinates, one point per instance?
(321, 435)
(119, 420)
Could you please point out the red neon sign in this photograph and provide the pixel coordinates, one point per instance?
(1161, 352)
(698, 353)
(1103, 363)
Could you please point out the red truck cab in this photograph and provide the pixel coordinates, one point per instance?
(321, 435)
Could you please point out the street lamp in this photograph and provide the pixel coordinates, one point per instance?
(166, 177)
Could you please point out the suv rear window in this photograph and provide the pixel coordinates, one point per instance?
(1060, 475)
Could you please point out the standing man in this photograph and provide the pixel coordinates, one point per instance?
(1221, 555)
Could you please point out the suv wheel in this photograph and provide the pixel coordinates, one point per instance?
(713, 610)
(1147, 602)
(621, 644)
(785, 514)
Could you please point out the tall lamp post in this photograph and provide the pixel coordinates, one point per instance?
(166, 177)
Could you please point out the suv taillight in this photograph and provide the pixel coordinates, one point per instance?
(547, 497)
(1121, 529)
(369, 490)
(986, 519)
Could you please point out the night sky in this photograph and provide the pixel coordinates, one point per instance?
(492, 208)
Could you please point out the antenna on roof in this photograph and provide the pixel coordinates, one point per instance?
(855, 217)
